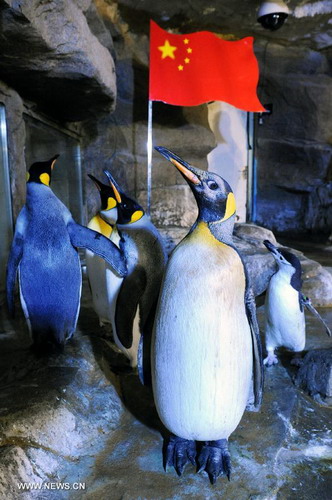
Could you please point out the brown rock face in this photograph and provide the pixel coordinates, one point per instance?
(49, 55)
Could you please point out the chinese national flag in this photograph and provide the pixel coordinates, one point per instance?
(186, 70)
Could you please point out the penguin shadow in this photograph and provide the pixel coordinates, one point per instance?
(290, 361)
(136, 397)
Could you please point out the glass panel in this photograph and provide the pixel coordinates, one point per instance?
(42, 142)
(6, 221)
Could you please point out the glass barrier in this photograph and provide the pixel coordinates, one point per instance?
(44, 141)
(6, 220)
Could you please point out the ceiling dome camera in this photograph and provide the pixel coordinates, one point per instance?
(272, 15)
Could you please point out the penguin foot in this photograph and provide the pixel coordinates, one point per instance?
(215, 459)
(271, 359)
(178, 453)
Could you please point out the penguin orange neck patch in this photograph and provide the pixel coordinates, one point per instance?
(230, 207)
(111, 203)
(45, 179)
(136, 216)
(99, 225)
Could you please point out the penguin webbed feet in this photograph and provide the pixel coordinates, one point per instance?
(178, 452)
(215, 459)
(271, 359)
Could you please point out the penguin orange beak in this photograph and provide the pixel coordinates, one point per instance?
(190, 173)
(114, 185)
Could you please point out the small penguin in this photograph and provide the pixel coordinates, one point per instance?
(145, 255)
(284, 306)
(206, 354)
(103, 281)
(44, 251)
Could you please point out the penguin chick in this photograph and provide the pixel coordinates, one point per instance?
(284, 306)
(44, 252)
(133, 309)
(206, 352)
(104, 283)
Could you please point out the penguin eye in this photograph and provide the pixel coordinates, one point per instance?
(212, 185)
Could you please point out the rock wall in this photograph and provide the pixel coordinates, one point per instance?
(294, 146)
(50, 56)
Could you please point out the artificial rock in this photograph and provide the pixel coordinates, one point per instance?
(315, 374)
(49, 55)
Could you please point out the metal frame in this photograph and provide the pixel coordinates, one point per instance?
(252, 170)
(5, 163)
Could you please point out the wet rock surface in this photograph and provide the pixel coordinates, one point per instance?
(84, 417)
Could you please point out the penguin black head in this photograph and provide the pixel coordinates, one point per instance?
(109, 200)
(129, 210)
(41, 172)
(214, 196)
(287, 262)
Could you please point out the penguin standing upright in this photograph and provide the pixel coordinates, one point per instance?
(284, 306)
(103, 281)
(44, 251)
(206, 350)
(145, 255)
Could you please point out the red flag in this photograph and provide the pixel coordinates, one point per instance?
(186, 70)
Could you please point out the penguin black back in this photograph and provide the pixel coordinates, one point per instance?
(296, 280)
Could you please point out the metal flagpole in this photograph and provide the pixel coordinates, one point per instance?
(149, 148)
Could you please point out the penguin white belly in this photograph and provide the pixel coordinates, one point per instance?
(285, 323)
(96, 269)
(202, 350)
(105, 284)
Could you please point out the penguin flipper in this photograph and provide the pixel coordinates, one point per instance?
(258, 372)
(15, 255)
(83, 237)
(305, 301)
(144, 348)
(127, 302)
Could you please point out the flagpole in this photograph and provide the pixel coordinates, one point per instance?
(149, 166)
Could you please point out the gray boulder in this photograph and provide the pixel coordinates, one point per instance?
(50, 55)
(315, 374)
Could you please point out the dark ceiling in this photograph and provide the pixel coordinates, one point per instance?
(309, 24)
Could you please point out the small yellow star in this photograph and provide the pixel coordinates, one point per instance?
(167, 50)
(186, 41)
(187, 60)
(189, 50)
(180, 67)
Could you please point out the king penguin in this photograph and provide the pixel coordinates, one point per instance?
(136, 300)
(103, 281)
(44, 251)
(206, 353)
(284, 306)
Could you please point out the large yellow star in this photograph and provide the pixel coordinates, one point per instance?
(167, 50)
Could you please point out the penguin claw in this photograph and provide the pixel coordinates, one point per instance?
(178, 453)
(270, 360)
(215, 459)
